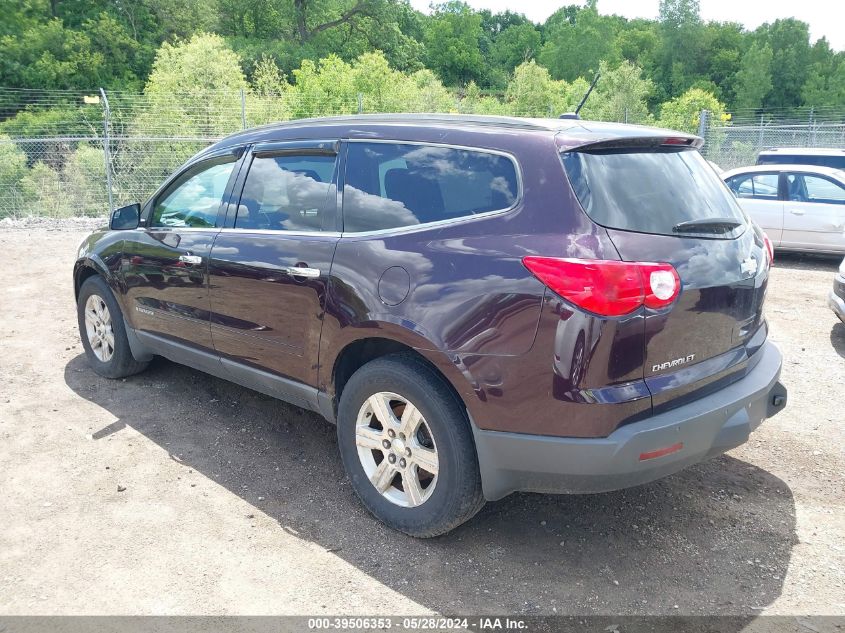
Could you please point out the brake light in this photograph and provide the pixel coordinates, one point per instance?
(770, 250)
(607, 287)
(677, 141)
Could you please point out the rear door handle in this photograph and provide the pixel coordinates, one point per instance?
(297, 271)
(797, 211)
(190, 259)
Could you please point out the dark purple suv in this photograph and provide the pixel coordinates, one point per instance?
(482, 304)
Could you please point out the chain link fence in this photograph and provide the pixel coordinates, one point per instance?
(72, 154)
(736, 142)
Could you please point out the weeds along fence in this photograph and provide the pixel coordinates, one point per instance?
(69, 153)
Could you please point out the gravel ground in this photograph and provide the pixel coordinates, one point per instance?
(173, 492)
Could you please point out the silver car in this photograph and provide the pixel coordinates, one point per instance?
(836, 299)
(801, 207)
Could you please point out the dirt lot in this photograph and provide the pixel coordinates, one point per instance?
(237, 504)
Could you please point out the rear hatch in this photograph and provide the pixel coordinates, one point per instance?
(661, 202)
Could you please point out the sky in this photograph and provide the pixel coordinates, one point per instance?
(825, 17)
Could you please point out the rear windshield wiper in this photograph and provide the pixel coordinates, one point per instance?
(707, 225)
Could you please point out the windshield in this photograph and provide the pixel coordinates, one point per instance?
(664, 191)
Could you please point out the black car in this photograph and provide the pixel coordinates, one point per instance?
(481, 304)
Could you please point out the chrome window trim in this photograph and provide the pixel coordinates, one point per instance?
(215, 230)
(449, 221)
(181, 229)
(280, 232)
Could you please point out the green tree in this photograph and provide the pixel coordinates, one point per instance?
(323, 88)
(754, 79)
(722, 50)
(474, 102)
(825, 75)
(12, 171)
(533, 92)
(637, 42)
(267, 80)
(194, 88)
(44, 193)
(789, 40)
(575, 49)
(452, 43)
(515, 45)
(820, 90)
(620, 95)
(681, 40)
(684, 113)
(84, 181)
(426, 93)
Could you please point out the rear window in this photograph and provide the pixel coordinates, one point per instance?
(649, 191)
(819, 160)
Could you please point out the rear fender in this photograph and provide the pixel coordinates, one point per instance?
(406, 333)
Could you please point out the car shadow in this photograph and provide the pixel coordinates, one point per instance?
(715, 539)
(837, 338)
(807, 261)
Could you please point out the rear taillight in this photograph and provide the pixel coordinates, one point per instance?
(607, 287)
(770, 250)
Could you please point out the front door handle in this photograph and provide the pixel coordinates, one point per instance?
(297, 271)
(190, 259)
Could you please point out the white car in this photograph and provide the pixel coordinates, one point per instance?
(800, 207)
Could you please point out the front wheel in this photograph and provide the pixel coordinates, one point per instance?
(407, 446)
(103, 332)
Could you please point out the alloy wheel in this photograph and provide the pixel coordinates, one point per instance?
(98, 328)
(396, 449)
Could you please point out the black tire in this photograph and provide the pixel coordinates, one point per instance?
(456, 496)
(122, 363)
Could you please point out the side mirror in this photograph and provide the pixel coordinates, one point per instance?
(128, 217)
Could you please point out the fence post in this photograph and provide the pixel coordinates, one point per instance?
(703, 124)
(107, 147)
(812, 130)
(360, 103)
(243, 109)
(760, 141)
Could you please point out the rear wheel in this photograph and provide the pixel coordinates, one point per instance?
(103, 332)
(407, 446)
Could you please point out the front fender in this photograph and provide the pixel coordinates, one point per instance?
(100, 253)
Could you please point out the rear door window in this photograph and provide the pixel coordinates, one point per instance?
(650, 190)
(392, 185)
(807, 188)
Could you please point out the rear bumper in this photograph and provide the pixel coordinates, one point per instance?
(836, 299)
(709, 426)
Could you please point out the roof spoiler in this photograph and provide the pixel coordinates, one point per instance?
(570, 142)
